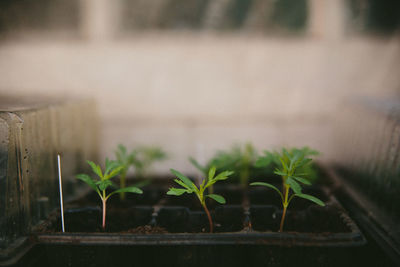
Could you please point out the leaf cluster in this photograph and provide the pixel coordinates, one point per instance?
(291, 165)
(240, 159)
(100, 185)
(189, 187)
(272, 161)
(125, 159)
(146, 156)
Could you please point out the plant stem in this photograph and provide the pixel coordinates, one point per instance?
(285, 204)
(283, 219)
(104, 214)
(209, 217)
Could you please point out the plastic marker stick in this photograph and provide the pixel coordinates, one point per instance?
(61, 194)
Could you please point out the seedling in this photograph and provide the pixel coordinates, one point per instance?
(241, 159)
(292, 165)
(124, 160)
(189, 187)
(203, 171)
(145, 158)
(100, 185)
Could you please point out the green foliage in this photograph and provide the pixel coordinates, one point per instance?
(125, 160)
(103, 182)
(272, 160)
(239, 158)
(189, 187)
(292, 167)
(146, 156)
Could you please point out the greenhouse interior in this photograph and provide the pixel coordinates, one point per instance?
(199, 133)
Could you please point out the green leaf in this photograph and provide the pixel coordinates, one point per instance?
(96, 168)
(283, 164)
(294, 185)
(311, 198)
(176, 191)
(218, 198)
(211, 173)
(184, 179)
(182, 184)
(278, 172)
(103, 184)
(115, 172)
(270, 186)
(305, 161)
(111, 165)
(301, 180)
(130, 189)
(122, 149)
(263, 162)
(87, 179)
(223, 175)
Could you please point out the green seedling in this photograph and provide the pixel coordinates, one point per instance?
(292, 165)
(146, 157)
(238, 158)
(100, 185)
(203, 171)
(189, 187)
(125, 161)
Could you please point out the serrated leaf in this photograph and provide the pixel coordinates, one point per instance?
(211, 173)
(95, 168)
(218, 198)
(176, 191)
(311, 198)
(114, 172)
(305, 161)
(223, 175)
(182, 184)
(110, 166)
(184, 179)
(301, 180)
(87, 179)
(294, 185)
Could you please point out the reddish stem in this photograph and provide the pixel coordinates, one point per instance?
(209, 218)
(104, 214)
(283, 219)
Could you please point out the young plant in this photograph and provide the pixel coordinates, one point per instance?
(239, 158)
(100, 185)
(203, 171)
(124, 160)
(145, 157)
(189, 187)
(291, 168)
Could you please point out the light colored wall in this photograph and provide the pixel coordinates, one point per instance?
(194, 94)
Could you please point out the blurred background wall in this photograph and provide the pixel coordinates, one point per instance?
(195, 76)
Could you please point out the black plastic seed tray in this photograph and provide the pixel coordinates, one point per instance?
(251, 218)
